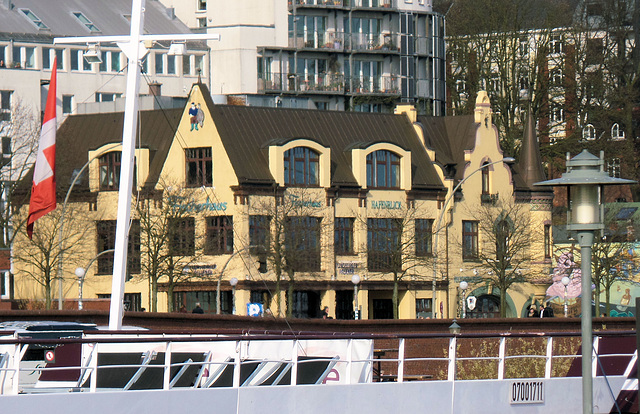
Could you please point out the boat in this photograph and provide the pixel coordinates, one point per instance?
(146, 371)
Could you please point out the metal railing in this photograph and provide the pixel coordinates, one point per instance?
(126, 361)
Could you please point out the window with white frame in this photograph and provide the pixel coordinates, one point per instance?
(24, 57)
(589, 132)
(171, 64)
(78, 62)
(202, 5)
(524, 46)
(614, 167)
(5, 105)
(461, 86)
(159, 63)
(202, 22)
(556, 78)
(524, 83)
(557, 113)
(555, 44)
(106, 96)
(110, 61)
(617, 133)
(67, 104)
(186, 64)
(49, 54)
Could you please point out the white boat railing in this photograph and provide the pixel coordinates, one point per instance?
(145, 361)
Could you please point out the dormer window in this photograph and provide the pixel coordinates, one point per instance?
(110, 171)
(383, 170)
(301, 167)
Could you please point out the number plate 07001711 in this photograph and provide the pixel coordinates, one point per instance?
(526, 392)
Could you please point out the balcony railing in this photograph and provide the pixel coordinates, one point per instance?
(283, 82)
(345, 3)
(386, 84)
(332, 40)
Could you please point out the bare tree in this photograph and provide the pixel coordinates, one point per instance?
(296, 219)
(38, 259)
(505, 249)
(398, 243)
(19, 135)
(167, 234)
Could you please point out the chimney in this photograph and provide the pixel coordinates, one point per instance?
(8, 4)
(155, 89)
(171, 12)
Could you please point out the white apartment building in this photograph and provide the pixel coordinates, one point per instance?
(363, 55)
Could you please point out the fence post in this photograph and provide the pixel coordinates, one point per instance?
(451, 372)
(166, 379)
(501, 354)
(401, 344)
(549, 362)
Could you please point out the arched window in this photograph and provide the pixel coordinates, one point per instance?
(589, 132)
(301, 167)
(383, 170)
(616, 132)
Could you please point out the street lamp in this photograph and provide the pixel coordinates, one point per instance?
(233, 282)
(454, 328)
(565, 282)
(464, 285)
(80, 275)
(355, 279)
(222, 273)
(585, 179)
(506, 160)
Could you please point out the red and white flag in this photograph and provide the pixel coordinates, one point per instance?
(43, 190)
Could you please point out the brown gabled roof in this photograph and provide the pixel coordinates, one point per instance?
(247, 132)
(450, 137)
(79, 134)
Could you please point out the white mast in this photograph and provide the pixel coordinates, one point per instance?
(134, 49)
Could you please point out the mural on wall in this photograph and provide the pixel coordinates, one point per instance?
(196, 116)
(623, 292)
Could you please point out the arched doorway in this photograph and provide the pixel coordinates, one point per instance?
(487, 306)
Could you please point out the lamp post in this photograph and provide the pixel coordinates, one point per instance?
(464, 285)
(565, 282)
(80, 275)
(506, 160)
(81, 272)
(233, 282)
(355, 279)
(222, 273)
(584, 179)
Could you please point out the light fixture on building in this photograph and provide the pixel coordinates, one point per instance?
(177, 48)
(463, 286)
(585, 179)
(92, 55)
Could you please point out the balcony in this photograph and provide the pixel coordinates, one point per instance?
(327, 40)
(315, 83)
(384, 85)
(360, 4)
(488, 198)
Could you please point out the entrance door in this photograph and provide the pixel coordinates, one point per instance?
(382, 309)
(344, 304)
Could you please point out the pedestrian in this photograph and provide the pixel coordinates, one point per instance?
(533, 312)
(197, 309)
(325, 313)
(548, 311)
(542, 310)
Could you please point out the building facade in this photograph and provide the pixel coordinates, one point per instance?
(340, 55)
(291, 209)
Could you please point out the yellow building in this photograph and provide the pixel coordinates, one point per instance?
(292, 209)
